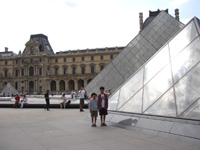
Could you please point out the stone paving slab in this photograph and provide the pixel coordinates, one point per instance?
(37, 129)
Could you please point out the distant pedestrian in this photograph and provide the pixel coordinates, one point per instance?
(109, 92)
(82, 96)
(103, 106)
(17, 99)
(93, 109)
(24, 101)
(47, 100)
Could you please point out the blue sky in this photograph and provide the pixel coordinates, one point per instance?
(81, 24)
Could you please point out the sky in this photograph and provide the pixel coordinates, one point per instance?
(81, 24)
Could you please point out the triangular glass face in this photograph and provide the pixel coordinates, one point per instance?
(130, 88)
(193, 111)
(134, 104)
(164, 106)
(9, 90)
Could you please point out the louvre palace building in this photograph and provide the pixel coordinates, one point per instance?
(38, 68)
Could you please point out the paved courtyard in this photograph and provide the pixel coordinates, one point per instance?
(37, 129)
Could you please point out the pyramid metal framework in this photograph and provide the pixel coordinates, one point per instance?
(136, 53)
(9, 90)
(169, 83)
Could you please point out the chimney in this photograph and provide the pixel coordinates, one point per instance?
(177, 14)
(6, 49)
(141, 20)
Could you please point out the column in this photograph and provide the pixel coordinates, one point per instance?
(76, 84)
(66, 86)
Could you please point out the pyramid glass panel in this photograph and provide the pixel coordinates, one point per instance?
(161, 28)
(113, 101)
(164, 106)
(156, 64)
(186, 60)
(193, 112)
(130, 88)
(183, 39)
(187, 89)
(157, 86)
(134, 104)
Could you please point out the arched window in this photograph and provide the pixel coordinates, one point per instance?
(31, 71)
(53, 85)
(62, 85)
(80, 83)
(71, 85)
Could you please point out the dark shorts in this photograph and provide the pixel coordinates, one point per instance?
(94, 113)
(82, 101)
(103, 112)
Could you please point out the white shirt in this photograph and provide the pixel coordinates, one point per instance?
(64, 99)
(103, 100)
(82, 94)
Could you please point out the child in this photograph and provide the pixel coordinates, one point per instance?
(93, 109)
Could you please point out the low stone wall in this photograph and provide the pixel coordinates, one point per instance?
(5, 98)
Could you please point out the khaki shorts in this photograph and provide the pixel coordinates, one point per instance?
(94, 113)
(82, 101)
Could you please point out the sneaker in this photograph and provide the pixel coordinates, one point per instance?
(101, 124)
(104, 124)
(93, 125)
(81, 110)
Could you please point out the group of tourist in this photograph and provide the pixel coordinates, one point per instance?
(18, 101)
(96, 103)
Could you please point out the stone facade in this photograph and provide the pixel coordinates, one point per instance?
(37, 68)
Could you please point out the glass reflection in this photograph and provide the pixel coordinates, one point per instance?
(156, 64)
(187, 89)
(134, 104)
(193, 112)
(186, 60)
(156, 87)
(113, 101)
(182, 39)
(130, 87)
(165, 106)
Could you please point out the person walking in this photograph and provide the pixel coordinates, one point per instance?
(93, 109)
(47, 100)
(82, 97)
(102, 106)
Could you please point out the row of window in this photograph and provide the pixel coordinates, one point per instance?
(82, 58)
(65, 59)
(31, 71)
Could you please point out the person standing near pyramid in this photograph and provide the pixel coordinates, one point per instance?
(102, 106)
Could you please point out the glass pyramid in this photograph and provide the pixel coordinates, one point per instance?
(9, 90)
(136, 53)
(168, 84)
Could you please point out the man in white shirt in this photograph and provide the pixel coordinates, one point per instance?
(82, 97)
